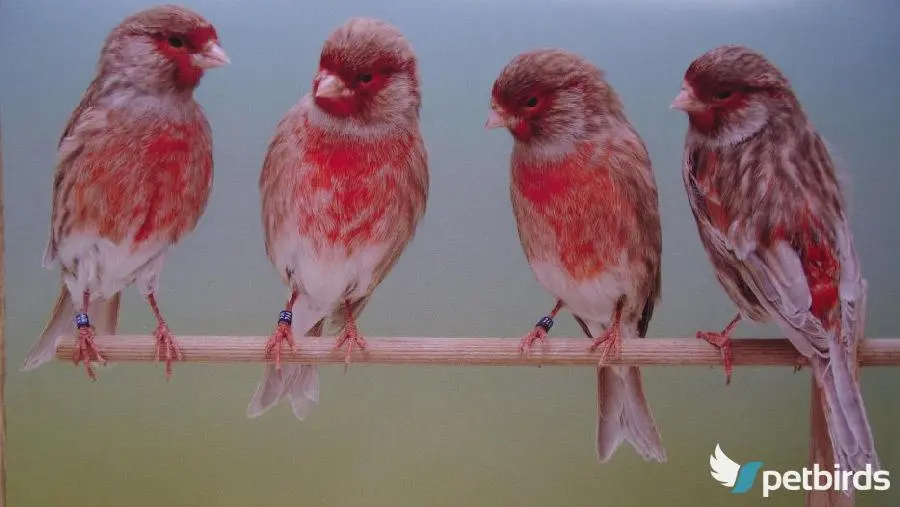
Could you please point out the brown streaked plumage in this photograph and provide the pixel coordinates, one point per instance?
(133, 177)
(584, 198)
(770, 213)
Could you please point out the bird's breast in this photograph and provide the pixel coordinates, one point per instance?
(572, 214)
(356, 193)
(705, 176)
(142, 184)
(180, 176)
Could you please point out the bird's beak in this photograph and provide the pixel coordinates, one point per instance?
(330, 87)
(496, 119)
(686, 101)
(211, 57)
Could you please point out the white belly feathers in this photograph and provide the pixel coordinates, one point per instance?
(105, 268)
(328, 275)
(594, 300)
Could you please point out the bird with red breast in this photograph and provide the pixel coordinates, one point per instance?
(344, 185)
(585, 203)
(134, 176)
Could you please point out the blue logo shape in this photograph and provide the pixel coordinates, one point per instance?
(729, 473)
(746, 477)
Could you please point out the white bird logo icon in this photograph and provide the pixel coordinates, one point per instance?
(722, 468)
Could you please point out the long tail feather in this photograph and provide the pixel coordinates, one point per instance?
(299, 382)
(623, 414)
(104, 314)
(845, 412)
(853, 444)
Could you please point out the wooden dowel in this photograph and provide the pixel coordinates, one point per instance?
(2, 343)
(477, 351)
(821, 452)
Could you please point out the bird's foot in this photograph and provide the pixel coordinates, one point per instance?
(722, 341)
(350, 335)
(167, 347)
(611, 341)
(537, 334)
(85, 348)
(281, 336)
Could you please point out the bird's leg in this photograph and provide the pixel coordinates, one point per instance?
(349, 335)
(722, 341)
(612, 337)
(85, 348)
(540, 330)
(166, 346)
(282, 333)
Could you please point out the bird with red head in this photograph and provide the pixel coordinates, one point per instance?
(585, 202)
(134, 176)
(344, 185)
(765, 196)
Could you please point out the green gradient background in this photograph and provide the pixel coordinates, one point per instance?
(431, 436)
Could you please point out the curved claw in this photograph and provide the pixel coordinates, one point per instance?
(538, 334)
(723, 342)
(350, 335)
(612, 340)
(86, 350)
(281, 336)
(167, 348)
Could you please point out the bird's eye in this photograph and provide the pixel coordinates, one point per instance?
(365, 78)
(176, 42)
(723, 95)
(531, 102)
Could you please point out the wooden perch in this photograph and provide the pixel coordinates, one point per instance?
(2, 344)
(479, 351)
(505, 352)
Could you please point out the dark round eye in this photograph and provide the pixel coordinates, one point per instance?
(723, 95)
(176, 42)
(531, 102)
(365, 78)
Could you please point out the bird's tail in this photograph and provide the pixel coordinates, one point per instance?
(299, 382)
(624, 414)
(845, 412)
(853, 445)
(104, 316)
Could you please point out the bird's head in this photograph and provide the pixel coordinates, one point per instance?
(166, 47)
(367, 72)
(551, 96)
(731, 92)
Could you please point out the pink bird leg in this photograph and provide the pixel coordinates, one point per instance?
(540, 330)
(166, 346)
(85, 348)
(722, 341)
(282, 334)
(612, 338)
(349, 335)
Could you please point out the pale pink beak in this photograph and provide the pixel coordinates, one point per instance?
(211, 57)
(331, 86)
(686, 101)
(495, 120)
